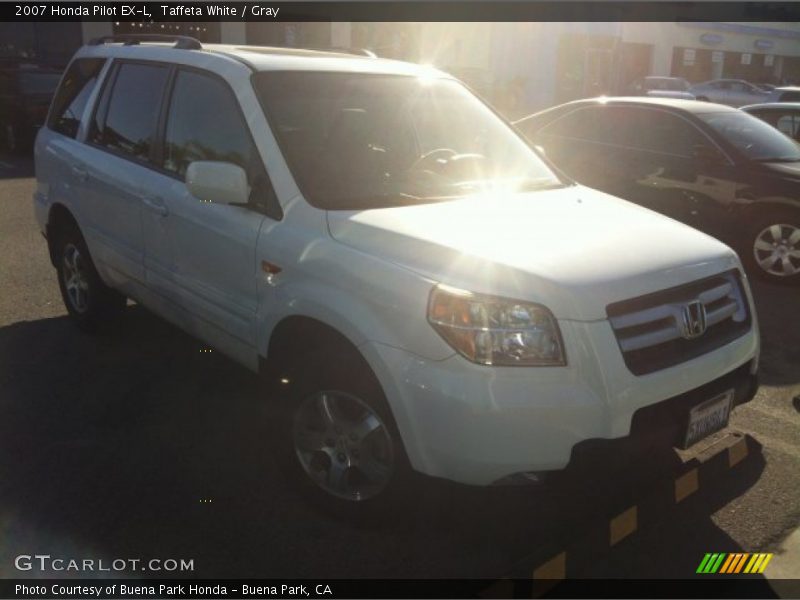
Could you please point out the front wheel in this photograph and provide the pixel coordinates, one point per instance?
(339, 441)
(773, 247)
(343, 445)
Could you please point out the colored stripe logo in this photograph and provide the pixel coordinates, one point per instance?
(744, 562)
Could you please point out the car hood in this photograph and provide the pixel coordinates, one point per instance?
(574, 249)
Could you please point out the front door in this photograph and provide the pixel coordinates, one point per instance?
(200, 254)
(674, 168)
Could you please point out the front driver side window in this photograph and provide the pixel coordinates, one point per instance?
(586, 124)
(204, 122)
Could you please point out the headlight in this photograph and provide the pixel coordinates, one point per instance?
(496, 331)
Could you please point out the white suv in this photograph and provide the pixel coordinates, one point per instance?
(427, 293)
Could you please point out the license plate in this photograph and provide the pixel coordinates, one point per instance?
(708, 417)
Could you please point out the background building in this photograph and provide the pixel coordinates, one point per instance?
(520, 67)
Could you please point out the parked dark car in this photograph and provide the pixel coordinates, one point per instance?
(783, 116)
(784, 94)
(25, 94)
(711, 166)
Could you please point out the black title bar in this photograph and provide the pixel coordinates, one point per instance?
(547, 10)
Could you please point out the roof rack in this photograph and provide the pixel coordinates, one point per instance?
(182, 42)
(343, 50)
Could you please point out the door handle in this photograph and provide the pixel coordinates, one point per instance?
(80, 173)
(156, 204)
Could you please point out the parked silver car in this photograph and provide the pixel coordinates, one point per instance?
(662, 87)
(733, 92)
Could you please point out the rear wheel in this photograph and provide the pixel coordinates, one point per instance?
(773, 247)
(87, 299)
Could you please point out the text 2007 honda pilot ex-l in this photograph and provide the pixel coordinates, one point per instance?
(433, 295)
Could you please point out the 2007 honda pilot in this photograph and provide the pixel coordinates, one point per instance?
(433, 295)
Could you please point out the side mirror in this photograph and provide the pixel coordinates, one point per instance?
(218, 182)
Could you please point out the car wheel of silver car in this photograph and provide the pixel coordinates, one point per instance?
(87, 299)
(343, 445)
(774, 251)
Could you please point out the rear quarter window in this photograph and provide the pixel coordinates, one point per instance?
(73, 94)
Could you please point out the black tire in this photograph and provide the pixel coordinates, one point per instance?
(776, 234)
(341, 373)
(87, 299)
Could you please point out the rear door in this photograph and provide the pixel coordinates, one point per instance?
(741, 93)
(115, 166)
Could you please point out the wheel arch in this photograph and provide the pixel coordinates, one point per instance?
(291, 332)
(58, 217)
(762, 206)
(297, 335)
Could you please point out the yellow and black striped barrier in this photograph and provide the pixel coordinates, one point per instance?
(548, 571)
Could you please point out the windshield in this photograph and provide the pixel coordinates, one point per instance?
(754, 138)
(355, 140)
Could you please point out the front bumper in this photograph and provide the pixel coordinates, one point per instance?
(478, 425)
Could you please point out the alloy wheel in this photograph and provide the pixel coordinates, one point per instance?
(76, 281)
(343, 445)
(777, 249)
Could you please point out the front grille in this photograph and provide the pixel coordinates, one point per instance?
(651, 331)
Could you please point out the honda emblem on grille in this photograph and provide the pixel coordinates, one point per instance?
(693, 319)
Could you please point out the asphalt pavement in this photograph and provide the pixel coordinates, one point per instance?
(134, 443)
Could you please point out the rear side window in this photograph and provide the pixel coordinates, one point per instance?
(789, 124)
(73, 94)
(127, 114)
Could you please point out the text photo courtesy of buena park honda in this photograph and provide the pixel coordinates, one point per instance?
(379, 300)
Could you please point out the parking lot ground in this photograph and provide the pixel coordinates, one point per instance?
(134, 443)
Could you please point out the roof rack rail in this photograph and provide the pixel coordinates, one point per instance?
(182, 42)
(344, 50)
